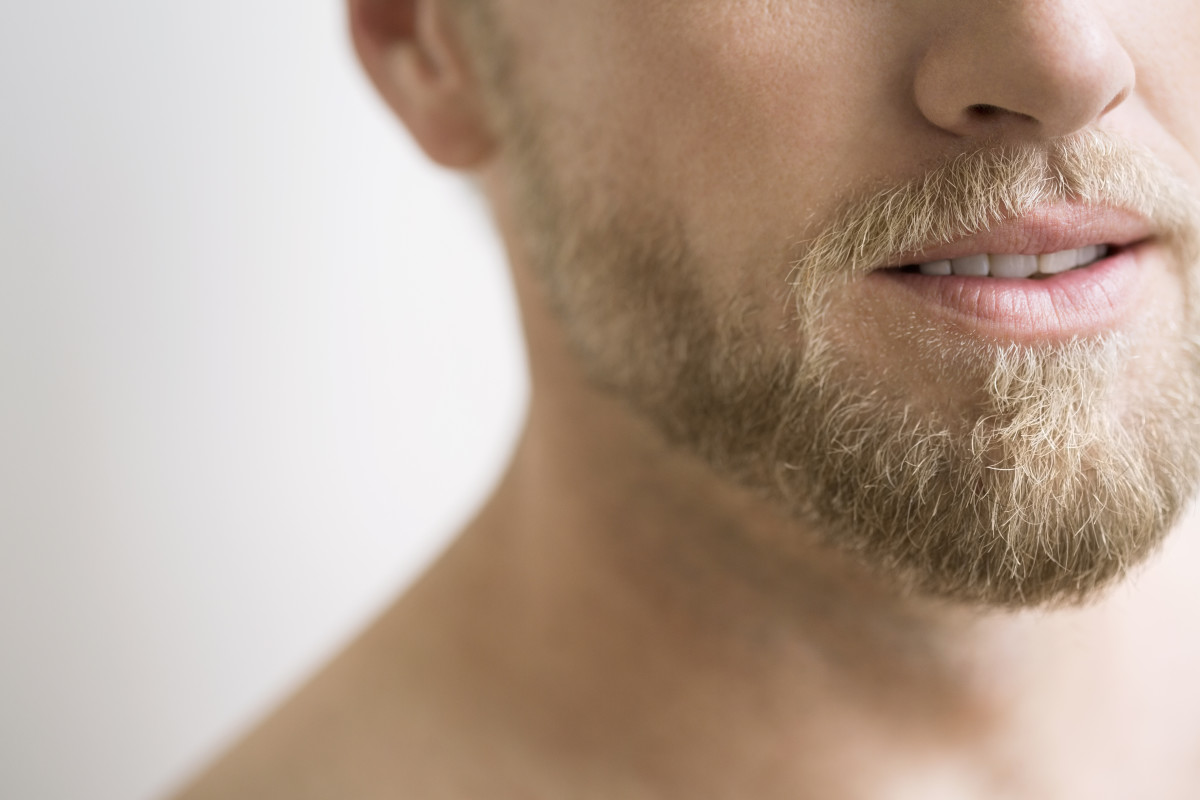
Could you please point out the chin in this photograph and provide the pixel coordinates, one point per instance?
(1049, 491)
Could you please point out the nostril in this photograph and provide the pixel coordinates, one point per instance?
(983, 110)
(986, 111)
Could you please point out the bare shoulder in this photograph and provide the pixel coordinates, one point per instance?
(350, 733)
(431, 702)
(399, 714)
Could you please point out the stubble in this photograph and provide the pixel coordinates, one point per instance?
(1071, 464)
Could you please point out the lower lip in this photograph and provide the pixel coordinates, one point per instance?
(1081, 302)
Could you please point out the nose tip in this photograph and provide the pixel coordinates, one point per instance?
(1027, 68)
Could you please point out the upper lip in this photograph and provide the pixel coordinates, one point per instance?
(1051, 229)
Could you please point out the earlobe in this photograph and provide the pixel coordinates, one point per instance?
(414, 55)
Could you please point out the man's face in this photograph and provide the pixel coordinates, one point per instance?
(719, 197)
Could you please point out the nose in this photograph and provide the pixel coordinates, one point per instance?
(1028, 69)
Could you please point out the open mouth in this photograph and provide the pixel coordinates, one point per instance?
(1063, 271)
(1003, 265)
(1052, 296)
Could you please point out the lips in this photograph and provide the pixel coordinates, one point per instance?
(1060, 272)
(1048, 230)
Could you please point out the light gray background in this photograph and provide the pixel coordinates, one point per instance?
(257, 360)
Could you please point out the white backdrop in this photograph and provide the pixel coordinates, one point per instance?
(257, 360)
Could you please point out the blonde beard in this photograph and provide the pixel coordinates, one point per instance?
(1062, 476)
(1047, 490)
(1048, 494)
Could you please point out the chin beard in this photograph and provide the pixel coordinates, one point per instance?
(1069, 470)
(1047, 492)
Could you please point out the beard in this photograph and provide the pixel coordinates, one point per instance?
(1068, 465)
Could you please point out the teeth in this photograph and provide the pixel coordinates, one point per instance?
(1012, 266)
(936, 268)
(970, 265)
(1016, 266)
(1054, 263)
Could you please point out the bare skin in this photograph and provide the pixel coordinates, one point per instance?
(558, 651)
(591, 634)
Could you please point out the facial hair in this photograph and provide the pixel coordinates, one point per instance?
(1068, 469)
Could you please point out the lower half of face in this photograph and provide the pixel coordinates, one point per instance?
(976, 436)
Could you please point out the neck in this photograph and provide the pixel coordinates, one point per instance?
(626, 601)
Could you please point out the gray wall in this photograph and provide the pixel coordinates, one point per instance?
(256, 361)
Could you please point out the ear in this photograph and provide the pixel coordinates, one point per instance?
(412, 52)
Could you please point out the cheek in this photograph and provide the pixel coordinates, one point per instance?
(746, 110)
(741, 119)
(1165, 45)
(755, 122)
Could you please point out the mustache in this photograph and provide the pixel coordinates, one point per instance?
(973, 191)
